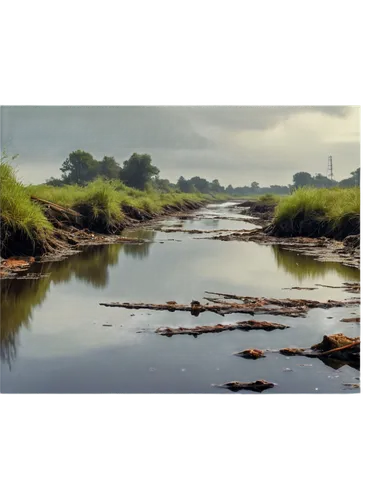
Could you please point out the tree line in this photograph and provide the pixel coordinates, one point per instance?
(138, 172)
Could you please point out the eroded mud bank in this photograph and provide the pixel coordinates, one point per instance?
(74, 231)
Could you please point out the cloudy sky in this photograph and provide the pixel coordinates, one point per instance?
(236, 145)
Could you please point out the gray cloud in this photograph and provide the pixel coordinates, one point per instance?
(235, 144)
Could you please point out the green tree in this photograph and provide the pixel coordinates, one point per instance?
(138, 171)
(321, 181)
(185, 186)
(109, 168)
(80, 167)
(356, 175)
(255, 186)
(162, 185)
(301, 179)
(215, 186)
(202, 185)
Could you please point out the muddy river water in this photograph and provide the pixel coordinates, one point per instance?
(56, 338)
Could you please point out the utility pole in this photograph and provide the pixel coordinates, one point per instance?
(330, 168)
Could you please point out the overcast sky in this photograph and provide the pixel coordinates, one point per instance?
(236, 145)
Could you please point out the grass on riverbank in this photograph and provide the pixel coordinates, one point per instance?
(21, 219)
(318, 212)
(105, 203)
(27, 224)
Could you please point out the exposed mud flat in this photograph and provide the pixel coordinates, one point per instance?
(322, 249)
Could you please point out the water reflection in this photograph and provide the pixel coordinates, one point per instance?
(19, 297)
(302, 266)
(212, 223)
(139, 251)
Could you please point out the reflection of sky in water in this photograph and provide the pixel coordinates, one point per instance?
(61, 345)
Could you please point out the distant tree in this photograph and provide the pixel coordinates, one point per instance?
(301, 179)
(356, 176)
(215, 186)
(229, 189)
(80, 167)
(138, 171)
(352, 181)
(162, 185)
(321, 181)
(109, 168)
(185, 186)
(202, 185)
(255, 186)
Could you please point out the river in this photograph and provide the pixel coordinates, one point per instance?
(54, 338)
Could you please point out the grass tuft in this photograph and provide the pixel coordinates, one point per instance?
(326, 212)
(19, 214)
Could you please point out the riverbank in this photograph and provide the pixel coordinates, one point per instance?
(56, 337)
(39, 221)
(321, 223)
(309, 212)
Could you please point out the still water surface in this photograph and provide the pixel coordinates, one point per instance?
(53, 339)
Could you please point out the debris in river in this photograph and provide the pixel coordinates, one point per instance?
(350, 320)
(250, 305)
(351, 386)
(251, 354)
(30, 276)
(291, 351)
(334, 350)
(257, 386)
(347, 286)
(299, 288)
(322, 249)
(240, 325)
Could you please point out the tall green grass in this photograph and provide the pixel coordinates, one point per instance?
(18, 212)
(333, 208)
(107, 197)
